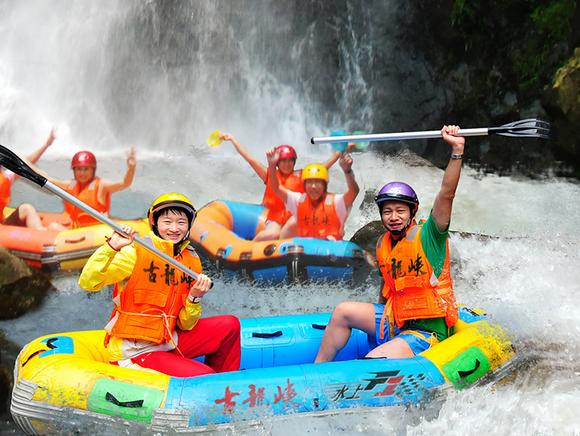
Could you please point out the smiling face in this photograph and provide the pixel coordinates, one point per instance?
(84, 173)
(395, 215)
(286, 165)
(315, 189)
(172, 225)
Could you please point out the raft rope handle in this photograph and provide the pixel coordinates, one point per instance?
(36, 353)
(81, 239)
(268, 335)
(111, 398)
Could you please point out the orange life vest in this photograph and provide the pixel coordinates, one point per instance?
(4, 194)
(319, 222)
(150, 302)
(89, 196)
(277, 209)
(411, 288)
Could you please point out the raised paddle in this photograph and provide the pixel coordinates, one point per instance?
(11, 161)
(339, 146)
(361, 145)
(214, 139)
(529, 128)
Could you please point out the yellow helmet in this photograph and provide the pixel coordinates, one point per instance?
(315, 171)
(172, 200)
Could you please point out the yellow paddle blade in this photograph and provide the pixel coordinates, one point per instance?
(214, 139)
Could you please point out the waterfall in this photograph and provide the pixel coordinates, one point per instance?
(162, 75)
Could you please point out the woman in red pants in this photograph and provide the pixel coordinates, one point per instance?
(156, 325)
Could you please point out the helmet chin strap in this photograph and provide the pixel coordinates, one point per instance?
(176, 247)
(403, 230)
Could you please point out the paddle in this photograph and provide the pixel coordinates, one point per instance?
(342, 146)
(529, 128)
(214, 139)
(11, 161)
(361, 145)
(339, 146)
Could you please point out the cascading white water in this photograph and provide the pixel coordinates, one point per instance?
(56, 70)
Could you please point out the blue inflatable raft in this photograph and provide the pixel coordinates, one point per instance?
(65, 385)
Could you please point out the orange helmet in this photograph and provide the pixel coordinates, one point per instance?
(286, 152)
(84, 158)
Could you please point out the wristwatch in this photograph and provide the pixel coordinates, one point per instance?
(196, 299)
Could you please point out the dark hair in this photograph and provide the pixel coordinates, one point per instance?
(175, 209)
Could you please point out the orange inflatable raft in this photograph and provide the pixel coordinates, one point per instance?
(59, 250)
(223, 231)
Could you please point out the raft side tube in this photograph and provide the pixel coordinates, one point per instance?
(54, 250)
(64, 380)
(471, 352)
(67, 366)
(292, 340)
(248, 219)
(302, 388)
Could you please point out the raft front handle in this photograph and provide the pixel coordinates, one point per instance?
(75, 241)
(268, 335)
(111, 398)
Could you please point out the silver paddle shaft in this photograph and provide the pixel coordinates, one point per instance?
(396, 136)
(116, 227)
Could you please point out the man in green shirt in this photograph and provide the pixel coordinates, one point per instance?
(416, 306)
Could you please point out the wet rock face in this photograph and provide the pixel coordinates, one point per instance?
(8, 353)
(366, 237)
(377, 66)
(21, 287)
(563, 100)
(565, 91)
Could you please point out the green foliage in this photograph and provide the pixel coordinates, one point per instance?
(466, 16)
(553, 19)
(523, 32)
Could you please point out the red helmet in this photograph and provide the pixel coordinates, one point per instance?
(84, 158)
(286, 152)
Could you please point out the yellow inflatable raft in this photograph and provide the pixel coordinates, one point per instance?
(64, 385)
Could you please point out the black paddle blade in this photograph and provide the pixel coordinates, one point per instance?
(530, 128)
(18, 166)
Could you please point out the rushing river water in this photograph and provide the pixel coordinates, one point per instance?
(523, 271)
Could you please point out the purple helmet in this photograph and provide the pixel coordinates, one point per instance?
(398, 191)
